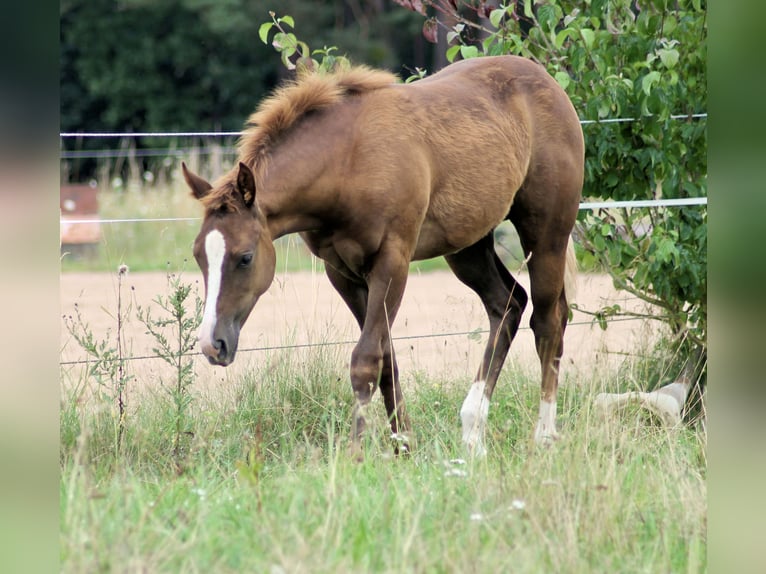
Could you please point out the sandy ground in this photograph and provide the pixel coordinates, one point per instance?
(433, 326)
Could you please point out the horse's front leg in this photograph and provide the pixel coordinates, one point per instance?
(372, 361)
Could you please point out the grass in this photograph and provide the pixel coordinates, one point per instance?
(264, 483)
(267, 485)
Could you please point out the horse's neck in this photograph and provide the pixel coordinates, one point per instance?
(294, 196)
(302, 179)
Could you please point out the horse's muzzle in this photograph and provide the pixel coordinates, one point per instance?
(218, 352)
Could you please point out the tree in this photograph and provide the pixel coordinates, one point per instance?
(621, 59)
(197, 65)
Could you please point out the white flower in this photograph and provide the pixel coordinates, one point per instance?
(201, 492)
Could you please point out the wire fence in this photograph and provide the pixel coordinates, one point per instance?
(702, 115)
(293, 346)
(178, 152)
(588, 205)
(207, 150)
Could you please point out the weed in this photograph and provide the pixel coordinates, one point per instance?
(107, 360)
(175, 335)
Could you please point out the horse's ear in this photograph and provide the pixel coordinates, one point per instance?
(198, 186)
(246, 184)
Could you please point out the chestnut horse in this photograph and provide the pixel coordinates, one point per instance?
(374, 174)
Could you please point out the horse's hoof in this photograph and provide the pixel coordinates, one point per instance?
(402, 444)
(356, 453)
(474, 447)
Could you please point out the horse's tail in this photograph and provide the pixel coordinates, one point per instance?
(570, 273)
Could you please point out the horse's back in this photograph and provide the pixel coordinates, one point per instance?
(488, 124)
(523, 91)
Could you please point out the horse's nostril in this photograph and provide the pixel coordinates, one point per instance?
(220, 345)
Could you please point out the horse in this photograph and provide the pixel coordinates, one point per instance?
(373, 174)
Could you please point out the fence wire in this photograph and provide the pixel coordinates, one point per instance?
(339, 343)
(702, 115)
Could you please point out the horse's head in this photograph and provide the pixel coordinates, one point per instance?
(236, 255)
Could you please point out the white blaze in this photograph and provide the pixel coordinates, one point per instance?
(545, 432)
(474, 413)
(215, 247)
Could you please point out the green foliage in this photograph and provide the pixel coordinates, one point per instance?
(196, 65)
(149, 66)
(616, 61)
(288, 46)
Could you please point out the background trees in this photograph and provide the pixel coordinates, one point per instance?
(198, 65)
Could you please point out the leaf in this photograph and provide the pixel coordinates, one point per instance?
(430, 30)
(547, 16)
(496, 17)
(528, 9)
(469, 52)
(263, 31)
(562, 78)
(588, 36)
(669, 57)
(285, 43)
(563, 35)
(569, 18)
(286, 61)
(451, 53)
(649, 80)
(414, 5)
(287, 20)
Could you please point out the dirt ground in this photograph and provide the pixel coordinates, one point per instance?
(433, 326)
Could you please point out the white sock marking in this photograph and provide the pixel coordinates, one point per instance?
(474, 413)
(545, 431)
(215, 248)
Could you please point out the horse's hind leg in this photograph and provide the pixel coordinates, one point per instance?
(479, 267)
(355, 294)
(544, 237)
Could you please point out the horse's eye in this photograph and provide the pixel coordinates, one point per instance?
(245, 260)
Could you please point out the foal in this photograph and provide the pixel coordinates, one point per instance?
(374, 174)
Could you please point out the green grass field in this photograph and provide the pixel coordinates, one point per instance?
(262, 481)
(264, 484)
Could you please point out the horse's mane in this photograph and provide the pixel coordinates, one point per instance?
(289, 103)
(286, 106)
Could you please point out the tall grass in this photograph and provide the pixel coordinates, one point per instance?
(268, 486)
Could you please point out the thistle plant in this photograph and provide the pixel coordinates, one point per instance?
(175, 335)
